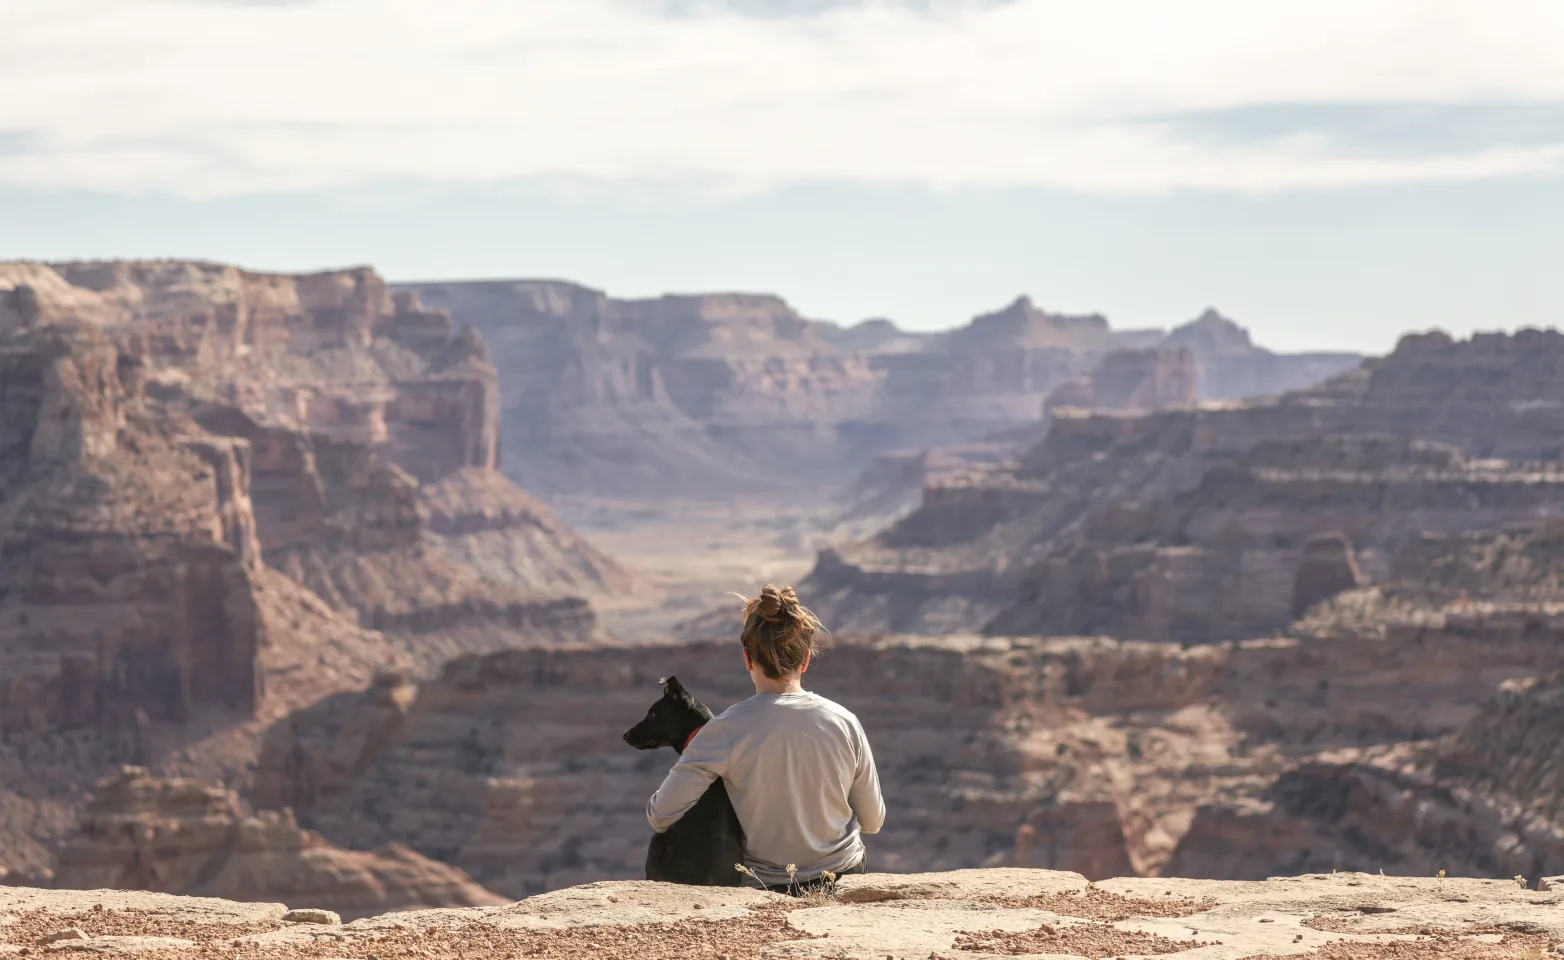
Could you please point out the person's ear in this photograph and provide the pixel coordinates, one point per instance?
(747, 664)
(805, 665)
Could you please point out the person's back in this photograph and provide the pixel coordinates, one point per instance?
(797, 766)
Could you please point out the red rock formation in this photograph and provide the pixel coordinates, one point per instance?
(1328, 567)
(961, 732)
(488, 523)
(1086, 837)
(708, 395)
(131, 553)
(1191, 522)
(142, 832)
(1482, 798)
(303, 364)
(1230, 366)
(1104, 750)
(151, 487)
(1132, 380)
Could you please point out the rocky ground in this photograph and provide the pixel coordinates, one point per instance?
(945, 916)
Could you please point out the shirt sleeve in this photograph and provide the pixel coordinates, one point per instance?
(864, 797)
(704, 760)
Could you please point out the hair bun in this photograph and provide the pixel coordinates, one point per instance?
(770, 603)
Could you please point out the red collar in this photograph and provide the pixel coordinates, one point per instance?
(691, 737)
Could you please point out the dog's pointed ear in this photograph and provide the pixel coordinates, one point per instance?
(671, 685)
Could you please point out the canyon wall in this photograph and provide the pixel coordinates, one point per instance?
(1466, 782)
(137, 613)
(351, 399)
(1191, 522)
(1091, 754)
(1231, 367)
(130, 549)
(331, 352)
(1133, 380)
(211, 513)
(699, 396)
(141, 832)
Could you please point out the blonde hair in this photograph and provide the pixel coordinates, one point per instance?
(779, 632)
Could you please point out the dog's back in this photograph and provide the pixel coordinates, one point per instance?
(705, 846)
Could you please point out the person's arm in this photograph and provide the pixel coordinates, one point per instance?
(704, 760)
(864, 797)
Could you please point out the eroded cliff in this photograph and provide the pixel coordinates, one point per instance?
(1191, 522)
(141, 832)
(206, 519)
(706, 396)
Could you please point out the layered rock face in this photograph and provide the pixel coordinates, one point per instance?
(1473, 789)
(891, 485)
(710, 395)
(329, 351)
(209, 495)
(1236, 556)
(1096, 755)
(142, 832)
(1230, 366)
(511, 765)
(1133, 380)
(137, 613)
(485, 522)
(1374, 809)
(348, 398)
(1191, 522)
(131, 556)
(668, 396)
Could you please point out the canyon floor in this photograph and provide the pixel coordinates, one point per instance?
(694, 554)
(939, 916)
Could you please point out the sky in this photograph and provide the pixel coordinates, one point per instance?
(1328, 173)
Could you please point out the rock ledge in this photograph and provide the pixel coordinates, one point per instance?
(961, 914)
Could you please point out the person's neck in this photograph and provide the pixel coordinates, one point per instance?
(764, 684)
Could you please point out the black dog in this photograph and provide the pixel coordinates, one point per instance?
(703, 847)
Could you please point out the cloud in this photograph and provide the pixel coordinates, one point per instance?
(204, 98)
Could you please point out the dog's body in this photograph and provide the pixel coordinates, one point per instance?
(704, 846)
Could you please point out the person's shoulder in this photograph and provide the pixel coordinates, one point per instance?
(739, 709)
(827, 705)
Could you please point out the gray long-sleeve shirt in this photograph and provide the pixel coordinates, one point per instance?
(801, 776)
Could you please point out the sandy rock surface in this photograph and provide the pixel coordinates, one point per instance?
(961, 915)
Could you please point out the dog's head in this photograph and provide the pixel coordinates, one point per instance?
(670, 721)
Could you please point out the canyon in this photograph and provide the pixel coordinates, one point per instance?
(1188, 522)
(716, 395)
(224, 495)
(314, 585)
(1101, 756)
